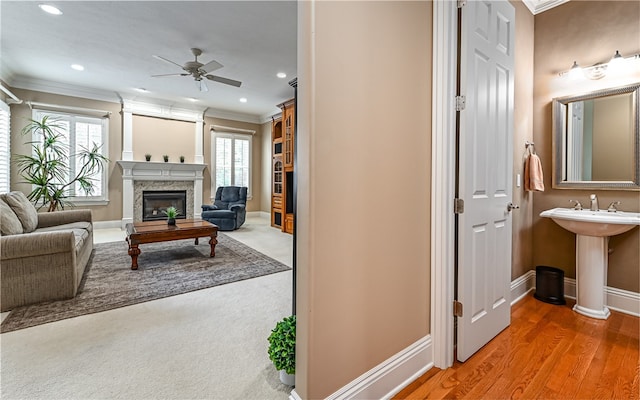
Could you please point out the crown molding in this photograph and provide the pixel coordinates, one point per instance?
(64, 89)
(538, 6)
(234, 116)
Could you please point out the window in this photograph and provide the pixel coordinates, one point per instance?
(5, 154)
(231, 160)
(79, 133)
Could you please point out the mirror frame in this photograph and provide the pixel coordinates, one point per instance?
(559, 130)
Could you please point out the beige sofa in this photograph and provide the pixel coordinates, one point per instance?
(42, 255)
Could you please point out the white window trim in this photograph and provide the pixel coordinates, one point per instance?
(86, 200)
(5, 108)
(217, 134)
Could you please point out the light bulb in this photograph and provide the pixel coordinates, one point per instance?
(576, 71)
(616, 64)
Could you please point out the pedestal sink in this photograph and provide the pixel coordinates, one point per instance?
(592, 229)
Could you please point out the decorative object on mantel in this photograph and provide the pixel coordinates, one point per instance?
(147, 157)
(182, 159)
(171, 213)
(166, 158)
(46, 167)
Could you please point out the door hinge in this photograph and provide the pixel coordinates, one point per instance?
(457, 308)
(458, 206)
(461, 102)
(462, 3)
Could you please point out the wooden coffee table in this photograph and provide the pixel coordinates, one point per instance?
(159, 231)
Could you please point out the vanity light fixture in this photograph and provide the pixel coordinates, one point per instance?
(616, 64)
(50, 9)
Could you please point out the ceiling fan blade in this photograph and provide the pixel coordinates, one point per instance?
(178, 74)
(166, 60)
(202, 86)
(226, 81)
(211, 66)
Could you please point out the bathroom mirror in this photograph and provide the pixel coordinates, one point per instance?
(596, 140)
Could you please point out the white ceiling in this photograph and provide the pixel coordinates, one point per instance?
(115, 41)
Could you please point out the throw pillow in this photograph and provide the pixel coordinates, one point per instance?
(9, 222)
(26, 212)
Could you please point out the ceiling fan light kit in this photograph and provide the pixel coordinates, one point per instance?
(198, 70)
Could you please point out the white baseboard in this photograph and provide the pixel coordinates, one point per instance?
(107, 224)
(522, 285)
(260, 214)
(616, 299)
(620, 300)
(381, 382)
(294, 395)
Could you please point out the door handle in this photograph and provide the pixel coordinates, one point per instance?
(512, 206)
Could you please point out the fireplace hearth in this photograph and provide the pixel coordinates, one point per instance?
(156, 202)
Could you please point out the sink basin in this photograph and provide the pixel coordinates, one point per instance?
(593, 223)
(592, 229)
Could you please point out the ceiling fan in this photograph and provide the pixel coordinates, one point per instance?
(199, 70)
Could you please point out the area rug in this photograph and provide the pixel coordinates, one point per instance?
(164, 269)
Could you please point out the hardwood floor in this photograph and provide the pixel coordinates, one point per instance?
(548, 352)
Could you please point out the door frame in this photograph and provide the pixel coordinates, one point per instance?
(443, 129)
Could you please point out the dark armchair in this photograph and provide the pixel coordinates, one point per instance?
(229, 208)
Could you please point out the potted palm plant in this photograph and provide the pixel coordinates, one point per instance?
(47, 168)
(282, 349)
(171, 213)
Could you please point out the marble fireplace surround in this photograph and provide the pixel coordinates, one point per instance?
(138, 176)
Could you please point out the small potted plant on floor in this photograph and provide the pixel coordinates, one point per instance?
(147, 157)
(166, 158)
(282, 349)
(171, 213)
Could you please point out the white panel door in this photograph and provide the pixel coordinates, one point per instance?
(485, 172)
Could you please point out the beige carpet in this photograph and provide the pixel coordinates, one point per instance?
(165, 269)
(207, 344)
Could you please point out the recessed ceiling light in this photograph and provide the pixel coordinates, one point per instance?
(77, 67)
(141, 90)
(243, 99)
(281, 75)
(50, 9)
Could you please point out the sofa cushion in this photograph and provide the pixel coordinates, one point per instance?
(9, 222)
(26, 212)
(87, 226)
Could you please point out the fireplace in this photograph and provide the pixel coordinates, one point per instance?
(155, 202)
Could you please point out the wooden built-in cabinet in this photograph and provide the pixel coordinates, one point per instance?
(283, 136)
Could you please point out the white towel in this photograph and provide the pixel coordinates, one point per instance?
(533, 177)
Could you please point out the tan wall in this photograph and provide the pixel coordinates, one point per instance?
(150, 135)
(364, 156)
(523, 131)
(158, 137)
(20, 113)
(587, 32)
(256, 160)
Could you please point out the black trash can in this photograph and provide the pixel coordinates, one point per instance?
(549, 285)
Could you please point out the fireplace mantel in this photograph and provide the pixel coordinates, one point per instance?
(158, 171)
(166, 171)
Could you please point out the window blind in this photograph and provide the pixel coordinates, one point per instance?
(5, 148)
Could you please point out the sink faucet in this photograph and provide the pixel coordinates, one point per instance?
(578, 206)
(594, 202)
(612, 207)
